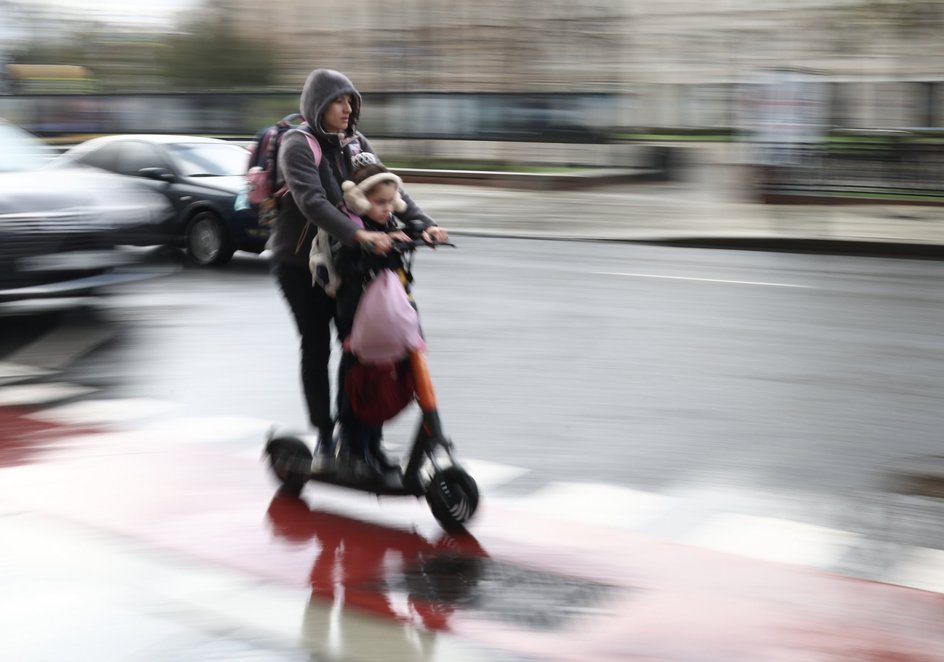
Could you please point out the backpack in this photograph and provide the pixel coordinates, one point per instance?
(265, 188)
(386, 326)
(321, 258)
(263, 185)
(378, 392)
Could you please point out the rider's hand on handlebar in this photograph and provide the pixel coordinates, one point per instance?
(435, 235)
(378, 243)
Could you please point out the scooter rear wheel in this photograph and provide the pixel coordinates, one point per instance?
(453, 498)
(290, 461)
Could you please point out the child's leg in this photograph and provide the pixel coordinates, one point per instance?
(354, 434)
(360, 441)
(375, 448)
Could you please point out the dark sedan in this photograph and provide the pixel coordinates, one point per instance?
(62, 230)
(201, 177)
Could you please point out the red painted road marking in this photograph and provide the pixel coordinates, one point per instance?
(24, 440)
(669, 602)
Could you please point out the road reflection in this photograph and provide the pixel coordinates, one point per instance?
(367, 564)
(398, 575)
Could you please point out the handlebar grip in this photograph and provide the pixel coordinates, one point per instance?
(417, 243)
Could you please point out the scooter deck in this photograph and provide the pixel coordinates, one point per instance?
(392, 485)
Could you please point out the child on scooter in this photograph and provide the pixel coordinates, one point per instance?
(373, 193)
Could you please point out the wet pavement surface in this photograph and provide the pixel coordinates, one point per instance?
(162, 550)
(750, 406)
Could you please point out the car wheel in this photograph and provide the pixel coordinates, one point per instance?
(207, 242)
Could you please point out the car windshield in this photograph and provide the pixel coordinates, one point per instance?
(209, 159)
(20, 150)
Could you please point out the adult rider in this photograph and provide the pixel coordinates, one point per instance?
(331, 106)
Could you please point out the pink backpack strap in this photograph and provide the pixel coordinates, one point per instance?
(315, 148)
(315, 152)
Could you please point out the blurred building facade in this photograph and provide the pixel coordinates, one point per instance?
(444, 46)
(672, 64)
(676, 62)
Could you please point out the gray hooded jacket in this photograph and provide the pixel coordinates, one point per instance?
(315, 192)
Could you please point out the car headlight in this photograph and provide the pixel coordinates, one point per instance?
(242, 200)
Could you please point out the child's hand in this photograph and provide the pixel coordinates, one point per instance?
(399, 235)
(378, 243)
(435, 235)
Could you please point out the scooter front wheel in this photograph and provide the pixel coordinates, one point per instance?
(290, 461)
(453, 498)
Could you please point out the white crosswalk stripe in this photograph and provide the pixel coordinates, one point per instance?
(594, 503)
(40, 394)
(772, 539)
(211, 429)
(490, 475)
(765, 538)
(97, 412)
(920, 568)
(697, 517)
(11, 372)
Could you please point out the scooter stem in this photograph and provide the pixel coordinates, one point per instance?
(423, 383)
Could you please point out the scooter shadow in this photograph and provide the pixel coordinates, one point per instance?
(363, 570)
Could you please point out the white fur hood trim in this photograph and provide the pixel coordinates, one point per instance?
(355, 195)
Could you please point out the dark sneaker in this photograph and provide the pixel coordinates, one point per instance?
(324, 457)
(384, 461)
(366, 470)
(327, 441)
(348, 464)
(322, 464)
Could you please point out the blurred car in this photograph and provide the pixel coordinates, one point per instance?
(62, 229)
(201, 177)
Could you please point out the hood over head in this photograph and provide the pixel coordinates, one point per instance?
(321, 88)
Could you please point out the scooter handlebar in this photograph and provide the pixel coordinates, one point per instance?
(407, 246)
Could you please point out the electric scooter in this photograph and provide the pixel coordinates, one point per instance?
(432, 471)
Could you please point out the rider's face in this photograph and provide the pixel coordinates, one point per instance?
(337, 115)
(381, 199)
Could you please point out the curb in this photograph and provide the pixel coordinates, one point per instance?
(825, 198)
(921, 251)
(528, 180)
(918, 476)
(890, 249)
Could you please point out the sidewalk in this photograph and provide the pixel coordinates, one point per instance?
(708, 209)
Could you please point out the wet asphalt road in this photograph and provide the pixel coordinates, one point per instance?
(786, 384)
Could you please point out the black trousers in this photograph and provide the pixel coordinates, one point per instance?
(313, 311)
